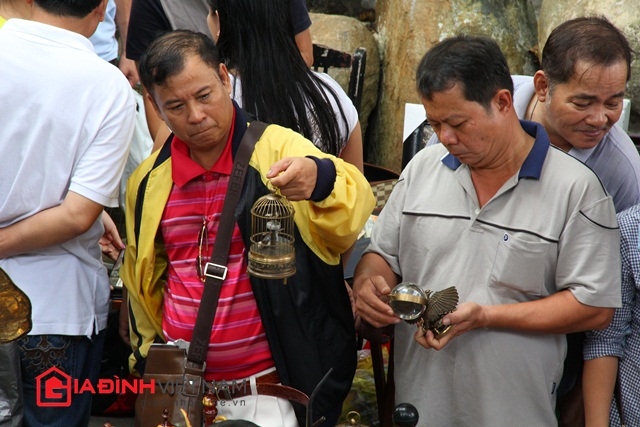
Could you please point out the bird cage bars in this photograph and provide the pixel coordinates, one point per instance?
(272, 252)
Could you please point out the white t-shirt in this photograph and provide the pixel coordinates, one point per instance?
(67, 119)
(348, 109)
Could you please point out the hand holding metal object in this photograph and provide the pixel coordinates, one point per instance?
(427, 308)
(15, 310)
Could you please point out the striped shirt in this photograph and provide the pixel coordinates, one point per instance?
(238, 345)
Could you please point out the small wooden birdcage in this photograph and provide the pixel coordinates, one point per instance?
(272, 254)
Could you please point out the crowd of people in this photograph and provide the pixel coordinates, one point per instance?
(526, 199)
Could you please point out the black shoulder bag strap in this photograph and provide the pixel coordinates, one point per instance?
(216, 268)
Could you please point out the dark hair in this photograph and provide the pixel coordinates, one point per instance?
(591, 39)
(166, 55)
(476, 63)
(257, 41)
(75, 8)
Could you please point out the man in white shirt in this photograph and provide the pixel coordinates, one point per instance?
(67, 119)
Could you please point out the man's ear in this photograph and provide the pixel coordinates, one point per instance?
(503, 100)
(541, 85)
(101, 10)
(224, 78)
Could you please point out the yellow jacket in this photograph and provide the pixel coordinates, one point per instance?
(296, 316)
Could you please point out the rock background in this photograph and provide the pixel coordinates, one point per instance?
(401, 31)
(346, 34)
(408, 28)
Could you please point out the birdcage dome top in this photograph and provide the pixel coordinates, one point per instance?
(273, 206)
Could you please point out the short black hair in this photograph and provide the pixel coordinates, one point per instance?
(592, 39)
(476, 63)
(166, 55)
(74, 8)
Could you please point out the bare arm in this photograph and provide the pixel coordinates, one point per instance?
(154, 122)
(560, 313)
(126, 65)
(353, 152)
(598, 382)
(305, 45)
(603, 349)
(50, 227)
(110, 243)
(161, 136)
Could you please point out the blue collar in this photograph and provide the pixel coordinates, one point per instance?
(532, 165)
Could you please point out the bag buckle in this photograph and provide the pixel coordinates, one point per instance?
(215, 271)
(191, 385)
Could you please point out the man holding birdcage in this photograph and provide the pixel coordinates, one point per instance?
(293, 333)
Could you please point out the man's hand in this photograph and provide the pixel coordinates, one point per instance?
(371, 295)
(128, 68)
(295, 177)
(468, 316)
(110, 242)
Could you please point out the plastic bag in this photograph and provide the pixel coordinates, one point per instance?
(11, 401)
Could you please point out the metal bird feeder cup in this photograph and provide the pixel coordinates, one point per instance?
(408, 301)
(272, 253)
(427, 308)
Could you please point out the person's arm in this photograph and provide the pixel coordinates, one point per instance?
(301, 24)
(147, 21)
(305, 46)
(154, 122)
(110, 243)
(50, 227)
(560, 313)
(603, 349)
(161, 136)
(340, 202)
(126, 65)
(353, 151)
(598, 382)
